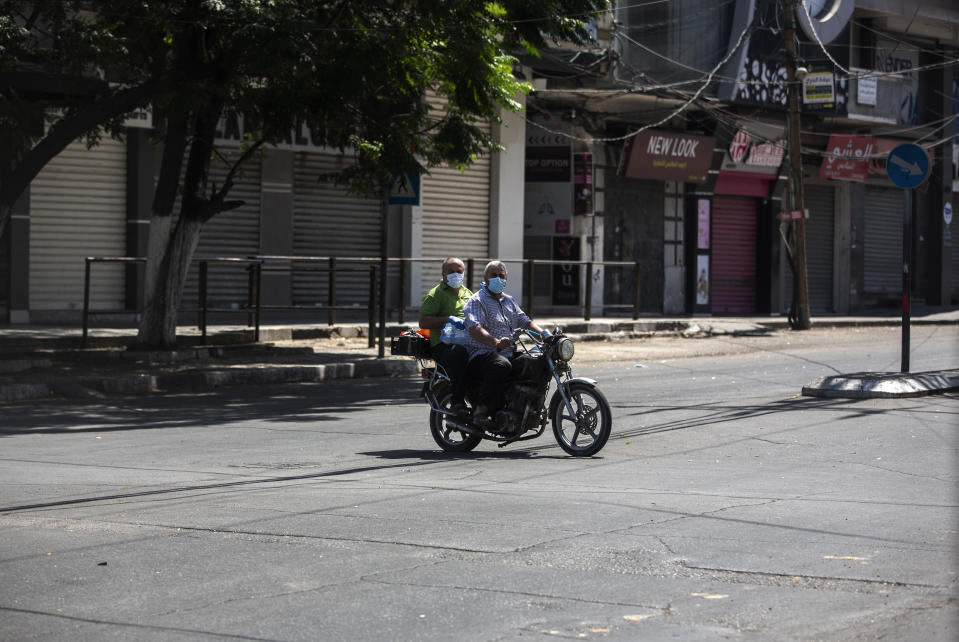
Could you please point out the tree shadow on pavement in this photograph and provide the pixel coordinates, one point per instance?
(724, 412)
(295, 403)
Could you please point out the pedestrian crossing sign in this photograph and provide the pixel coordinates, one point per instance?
(405, 189)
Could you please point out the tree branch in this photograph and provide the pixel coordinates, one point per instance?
(70, 128)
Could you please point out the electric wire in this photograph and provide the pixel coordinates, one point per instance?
(815, 34)
(739, 42)
(891, 36)
(683, 20)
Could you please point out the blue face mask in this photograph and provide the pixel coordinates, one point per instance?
(496, 285)
(454, 279)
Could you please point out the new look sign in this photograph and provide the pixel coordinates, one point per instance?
(668, 156)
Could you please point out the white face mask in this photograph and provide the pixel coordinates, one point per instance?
(454, 279)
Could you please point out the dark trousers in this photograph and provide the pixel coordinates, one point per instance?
(492, 369)
(453, 359)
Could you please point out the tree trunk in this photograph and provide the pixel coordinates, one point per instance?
(169, 255)
(5, 211)
(158, 325)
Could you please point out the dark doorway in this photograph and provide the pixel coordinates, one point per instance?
(633, 231)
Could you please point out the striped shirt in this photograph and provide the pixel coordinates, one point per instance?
(499, 317)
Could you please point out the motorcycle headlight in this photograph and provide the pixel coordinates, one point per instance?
(564, 350)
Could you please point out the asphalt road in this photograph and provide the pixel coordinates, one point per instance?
(726, 506)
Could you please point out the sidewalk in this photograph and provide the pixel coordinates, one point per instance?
(38, 362)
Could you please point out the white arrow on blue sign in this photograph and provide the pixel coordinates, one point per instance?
(908, 165)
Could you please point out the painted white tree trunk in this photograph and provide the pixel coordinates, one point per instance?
(167, 267)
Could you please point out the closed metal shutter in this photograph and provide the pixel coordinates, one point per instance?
(882, 241)
(954, 247)
(329, 222)
(455, 212)
(78, 209)
(235, 233)
(820, 201)
(5, 272)
(733, 272)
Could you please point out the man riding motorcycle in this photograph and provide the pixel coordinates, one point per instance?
(491, 316)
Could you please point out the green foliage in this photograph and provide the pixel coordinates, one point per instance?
(356, 70)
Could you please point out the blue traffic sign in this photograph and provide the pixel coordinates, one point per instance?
(908, 165)
(405, 189)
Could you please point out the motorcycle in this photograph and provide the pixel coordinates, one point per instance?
(580, 414)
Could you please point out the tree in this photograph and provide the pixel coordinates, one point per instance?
(356, 71)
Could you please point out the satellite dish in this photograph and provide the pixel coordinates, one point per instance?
(823, 20)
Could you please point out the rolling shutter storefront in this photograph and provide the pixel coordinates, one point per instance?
(5, 271)
(455, 211)
(733, 272)
(235, 233)
(455, 217)
(882, 241)
(78, 209)
(329, 222)
(953, 228)
(820, 201)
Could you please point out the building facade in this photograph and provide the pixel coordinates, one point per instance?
(659, 152)
(878, 74)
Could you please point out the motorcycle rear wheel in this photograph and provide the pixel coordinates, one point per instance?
(584, 434)
(447, 437)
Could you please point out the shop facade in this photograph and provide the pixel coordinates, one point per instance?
(96, 202)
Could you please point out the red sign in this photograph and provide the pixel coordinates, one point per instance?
(767, 154)
(785, 216)
(668, 156)
(737, 148)
(847, 157)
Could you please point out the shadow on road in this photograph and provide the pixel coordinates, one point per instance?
(655, 421)
(407, 454)
(296, 403)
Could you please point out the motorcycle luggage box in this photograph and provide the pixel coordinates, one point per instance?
(410, 344)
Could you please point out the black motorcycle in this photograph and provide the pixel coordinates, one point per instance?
(579, 412)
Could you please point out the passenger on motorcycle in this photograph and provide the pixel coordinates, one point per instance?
(491, 316)
(442, 302)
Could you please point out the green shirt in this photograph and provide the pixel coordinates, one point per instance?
(442, 301)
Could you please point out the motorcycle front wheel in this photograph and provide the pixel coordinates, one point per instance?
(584, 433)
(446, 436)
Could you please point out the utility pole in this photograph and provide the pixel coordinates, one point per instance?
(800, 319)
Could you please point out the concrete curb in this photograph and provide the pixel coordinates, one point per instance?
(24, 391)
(872, 385)
(226, 343)
(205, 380)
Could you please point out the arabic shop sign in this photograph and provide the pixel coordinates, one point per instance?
(847, 157)
(668, 156)
(756, 149)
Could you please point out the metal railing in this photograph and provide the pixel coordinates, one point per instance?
(529, 266)
(530, 271)
(256, 266)
(251, 309)
(332, 266)
(87, 266)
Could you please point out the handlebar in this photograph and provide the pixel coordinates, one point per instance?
(538, 338)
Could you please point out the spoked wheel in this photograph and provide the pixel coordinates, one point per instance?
(448, 437)
(584, 433)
